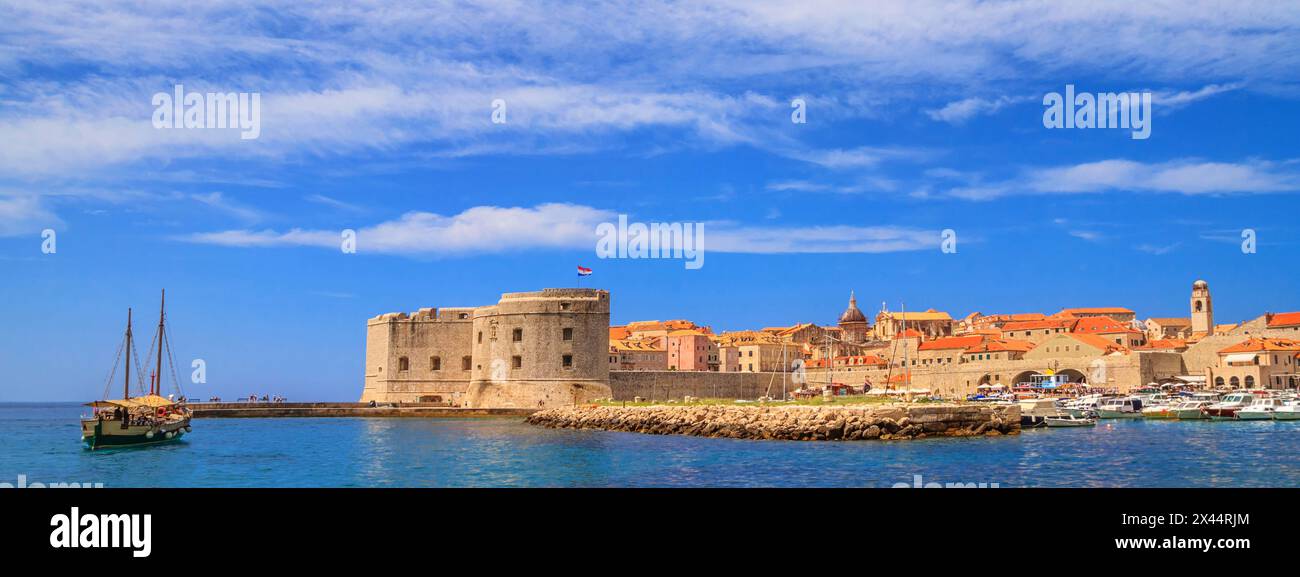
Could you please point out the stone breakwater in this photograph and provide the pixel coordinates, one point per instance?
(791, 422)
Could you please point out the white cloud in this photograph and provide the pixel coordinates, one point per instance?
(1183, 176)
(556, 226)
(960, 111)
(25, 215)
(219, 202)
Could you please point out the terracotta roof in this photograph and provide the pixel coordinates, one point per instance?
(951, 343)
(634, 345)
(688, 333)
(929, 315)
(1252, 345)
(660, 325)
(1011, 318)
(1102, 325)
(1094, 311)
(1165, 344)
(619, 333)
(1097, 342)
(1001, 345)
(1284, 319)
(1042, 324)
(909, 334)
(1171, 321)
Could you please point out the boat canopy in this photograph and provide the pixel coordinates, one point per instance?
(147, 401)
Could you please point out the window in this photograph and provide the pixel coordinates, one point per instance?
(568, 333)
(1234, 382)
(568, 361)
(516, 361)
(480, 336)
(465, 363)
(435, 363)
(564, 306)
(403, 364)
(1218, 381)
(1250, 382)
(462, 316)
(517, 335)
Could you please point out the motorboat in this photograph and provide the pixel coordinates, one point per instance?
(1082, 406)
(1287, 412)
(1261, 409)
(1226, 409)
(1120, 408)
(1067, 420)
(1188, 411)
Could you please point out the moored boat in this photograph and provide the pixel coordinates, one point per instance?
(1188, 411)
(1261, 409)
(1226, 409)
(1066, 420)
(1288, 412)
(1120, 408)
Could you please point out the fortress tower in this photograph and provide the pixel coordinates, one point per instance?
(530, 350)
(1202, 309)
(541, 349)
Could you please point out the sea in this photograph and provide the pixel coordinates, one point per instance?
(40, 444)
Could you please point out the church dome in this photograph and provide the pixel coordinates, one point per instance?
(852, 314)
(1200, 284)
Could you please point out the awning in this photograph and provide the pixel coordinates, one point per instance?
(1240, 358)
(149, 401)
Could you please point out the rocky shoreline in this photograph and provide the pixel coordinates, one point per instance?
(791, 422)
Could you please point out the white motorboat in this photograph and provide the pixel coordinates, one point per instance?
(1067, 420)
(1188, 410)
(1226, 409)
(1120, 408)
(1261, 409)
(1082, 406)
(1287, 412)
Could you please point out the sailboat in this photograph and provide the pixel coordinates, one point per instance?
(142, 420)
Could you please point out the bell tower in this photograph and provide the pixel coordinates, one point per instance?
(1202, 309)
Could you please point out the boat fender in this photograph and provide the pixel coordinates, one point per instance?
(169, 434)
(187, 428)
(148, 435)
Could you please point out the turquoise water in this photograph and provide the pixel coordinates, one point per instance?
(42, 443)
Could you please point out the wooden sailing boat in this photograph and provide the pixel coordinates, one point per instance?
(143, 420)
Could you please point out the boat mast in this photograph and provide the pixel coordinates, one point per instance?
(157, 375)
(126, 382)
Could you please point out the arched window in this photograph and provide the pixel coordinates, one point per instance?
(435, 363)
(1218, 381)
(1250, 382)
(403, 364)
(1235, 382)
(1199, 306)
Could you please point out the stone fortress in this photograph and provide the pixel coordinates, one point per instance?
(530, 350)
(555, 348)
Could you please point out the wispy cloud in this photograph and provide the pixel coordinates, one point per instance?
(959, 111)
(560, 226)
(25, 214)
(1184, 176)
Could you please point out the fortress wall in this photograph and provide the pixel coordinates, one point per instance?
(666, 385)
(419, 337)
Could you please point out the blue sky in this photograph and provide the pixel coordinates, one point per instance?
(377, 118)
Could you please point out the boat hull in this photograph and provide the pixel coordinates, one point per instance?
(1109, 414)
(1222, 414)
(97, 434)
(1286, 415)
(1254, 415)
(1187, 415)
